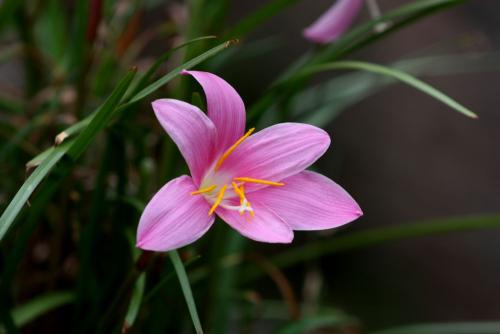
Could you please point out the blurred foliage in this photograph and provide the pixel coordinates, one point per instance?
(81, 153)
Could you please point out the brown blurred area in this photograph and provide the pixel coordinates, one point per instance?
(406, 157)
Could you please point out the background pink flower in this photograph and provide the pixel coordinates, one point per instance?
(334, 22)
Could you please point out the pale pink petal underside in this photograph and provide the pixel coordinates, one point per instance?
(225, 108)
(173, 218)
(265, 226)
(334, 22)
(192, 131)
(310, 201)
(277, 152)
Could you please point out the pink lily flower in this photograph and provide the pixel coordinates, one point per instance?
(255, 183)
(334, 22)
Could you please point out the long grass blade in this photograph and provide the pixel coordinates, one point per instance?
(186, 290)
(72, 148)
(172, 74)
(362, 239)
(28, 187)
(377, 236)
(395, 74)
(322, 103)
(135, 301)
(39, 306)
(102, 117)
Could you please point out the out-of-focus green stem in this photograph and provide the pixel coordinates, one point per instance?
(31, 54)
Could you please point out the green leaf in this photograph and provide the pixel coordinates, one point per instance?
(101, 117)
(135, 301)
(73, 148)
(172, 74)
(40, 305)
(473, 327)
(308, 324)
(162, 59)
(92, 125)
(322, 103)
(28, 187)
(395, 74)
(144, 92)
(186, 289)
(366, 33)
(348, 43)
(362, 239)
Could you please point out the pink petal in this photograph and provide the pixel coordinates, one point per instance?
(334, 22)
(173, 218)
(225, 108)
(276, 153)
(192, 131)
(310, 201)
(265, 226)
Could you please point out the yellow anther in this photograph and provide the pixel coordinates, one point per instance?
(251, 180)
(218, 200)
(204, 190)
(232, 148)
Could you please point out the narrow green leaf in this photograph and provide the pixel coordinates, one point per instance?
(473, 327)
(366, 33)
(162, 59)
(322, 103)
(96, 122)
(361, 239)
(52, 156)
(395, 74)
(348, 43)
(39, 306)
(135, 301)
(186, 289)
(172, 74)
(166, 278)
(377, 236)
(77, 127)
(137, 293)
(28, 187)
(101, 118)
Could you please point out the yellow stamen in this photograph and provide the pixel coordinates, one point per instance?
(251, 180)
(218, 200)
(204, 190)
(232, 148)
(238, 191)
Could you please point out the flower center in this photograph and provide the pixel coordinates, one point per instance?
(229, 189)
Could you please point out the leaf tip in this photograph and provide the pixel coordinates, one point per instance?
(231, 42)
(60, 138)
